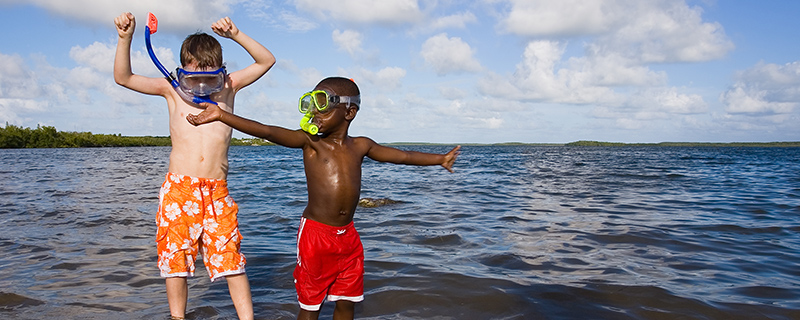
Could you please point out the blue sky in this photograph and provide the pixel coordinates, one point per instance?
(446, 71)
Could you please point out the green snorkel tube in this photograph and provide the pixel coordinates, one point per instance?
(306, 124)
(321, 100)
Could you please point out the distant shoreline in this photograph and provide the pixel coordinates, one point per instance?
(14, 137)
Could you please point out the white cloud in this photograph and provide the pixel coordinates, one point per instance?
(667, 101)
(743, 99)
(458, 20)
(95, 72)
(175, 16)
(389, 12)
(668, 31)
(559, 18)
(296, 23)
(348, 40)
(468, 114)
(642, 31)
(20, 91)
(644, 108)
(309, 77)
(449, 55)
(16, 80)
(13, 111)
(98, 56)
(543, 76)
(452, 93)
(765, 89)
(383, 80)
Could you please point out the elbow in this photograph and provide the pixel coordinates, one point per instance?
(121, 80)
(268, 64)
(268, 61)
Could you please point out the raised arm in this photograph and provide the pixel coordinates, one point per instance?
(382, 153)
(263, 58)
(278, 135)
(126, 24)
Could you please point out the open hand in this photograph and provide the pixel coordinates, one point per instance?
(211, 113)
(225, 28)
(450, 158)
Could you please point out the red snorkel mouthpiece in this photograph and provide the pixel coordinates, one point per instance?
(151, 28)
(152, 22)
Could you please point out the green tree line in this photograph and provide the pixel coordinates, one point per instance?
(48, 137)
(585, 143)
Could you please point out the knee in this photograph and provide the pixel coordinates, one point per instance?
(345, 305)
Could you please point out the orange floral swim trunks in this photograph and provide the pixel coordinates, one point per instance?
(196, 213)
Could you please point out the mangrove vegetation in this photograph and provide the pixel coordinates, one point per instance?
(48, 137)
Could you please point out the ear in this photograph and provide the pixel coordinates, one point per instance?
(350, 114)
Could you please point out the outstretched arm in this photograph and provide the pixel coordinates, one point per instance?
(279, 135)
(381, 153)
(126, 24)
(263, 58)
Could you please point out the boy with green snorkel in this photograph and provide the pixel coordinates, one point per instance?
(195, 211)
(330, 258)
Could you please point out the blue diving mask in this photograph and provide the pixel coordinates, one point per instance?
(201, 83)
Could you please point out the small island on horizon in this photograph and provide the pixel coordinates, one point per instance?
(15, 137)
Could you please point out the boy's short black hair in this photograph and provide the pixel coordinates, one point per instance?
(342, 86)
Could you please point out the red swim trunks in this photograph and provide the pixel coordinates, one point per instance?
(330, 261)
(195, 212)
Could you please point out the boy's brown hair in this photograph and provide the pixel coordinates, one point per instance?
(203, 49)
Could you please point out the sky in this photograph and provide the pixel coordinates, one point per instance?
(440, 71)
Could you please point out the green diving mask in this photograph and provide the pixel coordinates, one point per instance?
(322, 101)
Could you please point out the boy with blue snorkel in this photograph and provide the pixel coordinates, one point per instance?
(330, 258)
(195, 210)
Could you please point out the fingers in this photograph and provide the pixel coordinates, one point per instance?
(210, 114)
(192, 119)
(224, 27)
(125, 21)
(198, 119)
(455, 152)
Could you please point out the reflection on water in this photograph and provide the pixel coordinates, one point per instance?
(517, 232)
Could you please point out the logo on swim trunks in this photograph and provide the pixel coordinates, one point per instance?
(341, 231)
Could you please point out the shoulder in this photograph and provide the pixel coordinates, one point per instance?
(368, 146)
(363, 141)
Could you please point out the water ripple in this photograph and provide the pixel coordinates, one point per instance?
(518, 232)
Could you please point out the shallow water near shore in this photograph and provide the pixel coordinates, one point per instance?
(518, 232)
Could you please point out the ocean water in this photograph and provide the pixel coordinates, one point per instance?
(517, 232)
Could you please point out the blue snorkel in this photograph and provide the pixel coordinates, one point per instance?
(150, 28)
